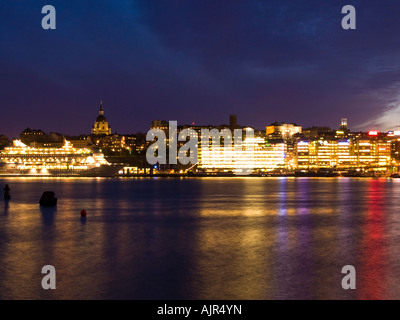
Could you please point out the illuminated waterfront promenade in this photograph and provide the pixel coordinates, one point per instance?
(282, 149)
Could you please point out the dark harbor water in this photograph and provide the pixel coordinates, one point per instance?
(202, 238)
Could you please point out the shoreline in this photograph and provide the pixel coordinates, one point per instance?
(183, 175)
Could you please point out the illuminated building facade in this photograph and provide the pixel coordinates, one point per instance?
(373, 153)
(317, 154)
(357, 152)
(346, 155)
(255, 154)
(283, 130)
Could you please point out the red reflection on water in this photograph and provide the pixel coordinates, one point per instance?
(372, 271)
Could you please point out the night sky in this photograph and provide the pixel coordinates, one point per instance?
(198, 61)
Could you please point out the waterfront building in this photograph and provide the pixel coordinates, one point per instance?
(255, 154)
(395, 149)
(32, 135)
(345, 156)
(164, 125)
(111, 144)
(81, 143)
(361, 151)
(303, 154)
(314, 133)
(326, 153)
(283, 130)
(373, 153)
(317, 154)
(160, 124)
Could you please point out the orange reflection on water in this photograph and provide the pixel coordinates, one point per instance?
(233, 247)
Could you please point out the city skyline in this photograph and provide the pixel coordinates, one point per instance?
(210, 123)
(264, 61)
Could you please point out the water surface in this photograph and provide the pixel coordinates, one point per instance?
(201, 238)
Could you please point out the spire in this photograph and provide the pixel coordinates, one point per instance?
(101, 108)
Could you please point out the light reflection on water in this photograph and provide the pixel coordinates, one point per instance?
(216, 238)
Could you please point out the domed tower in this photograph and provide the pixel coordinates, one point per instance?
(101, 125)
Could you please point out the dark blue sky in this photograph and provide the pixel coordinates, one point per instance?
(198, 61)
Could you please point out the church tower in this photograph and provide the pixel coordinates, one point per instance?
(101, 125)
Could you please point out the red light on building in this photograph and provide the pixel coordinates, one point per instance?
(373, 133)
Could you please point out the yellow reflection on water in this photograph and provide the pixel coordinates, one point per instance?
(240, 272)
